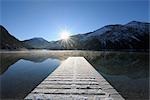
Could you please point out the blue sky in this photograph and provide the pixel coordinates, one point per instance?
(26, 19)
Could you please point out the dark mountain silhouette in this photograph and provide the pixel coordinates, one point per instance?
(8, 41)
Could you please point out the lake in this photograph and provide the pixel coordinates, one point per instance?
(22, 71)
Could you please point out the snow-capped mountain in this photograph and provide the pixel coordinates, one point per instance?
(131, 36)
(137, 25)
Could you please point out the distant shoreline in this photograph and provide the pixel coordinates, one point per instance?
(47, 51)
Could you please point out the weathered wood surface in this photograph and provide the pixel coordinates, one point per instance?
(75, 79)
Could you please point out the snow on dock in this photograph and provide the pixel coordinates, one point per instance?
(74, 79)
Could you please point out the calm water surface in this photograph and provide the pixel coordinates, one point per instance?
(23, 74)
(127, 72)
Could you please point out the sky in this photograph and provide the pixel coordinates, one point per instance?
(26, 19)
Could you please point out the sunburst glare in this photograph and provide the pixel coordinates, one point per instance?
(64, 35)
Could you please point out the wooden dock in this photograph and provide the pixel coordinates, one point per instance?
(74, 79)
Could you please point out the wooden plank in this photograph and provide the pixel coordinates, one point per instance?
(75, 79)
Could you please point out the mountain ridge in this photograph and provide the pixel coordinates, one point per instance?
(133, 36)
(36, 42)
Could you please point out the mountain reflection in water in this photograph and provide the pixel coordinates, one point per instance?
(127, 72)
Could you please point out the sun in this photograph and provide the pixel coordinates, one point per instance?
(64, 35)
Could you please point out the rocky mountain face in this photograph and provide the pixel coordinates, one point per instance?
(8, 41)
(133, 36)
